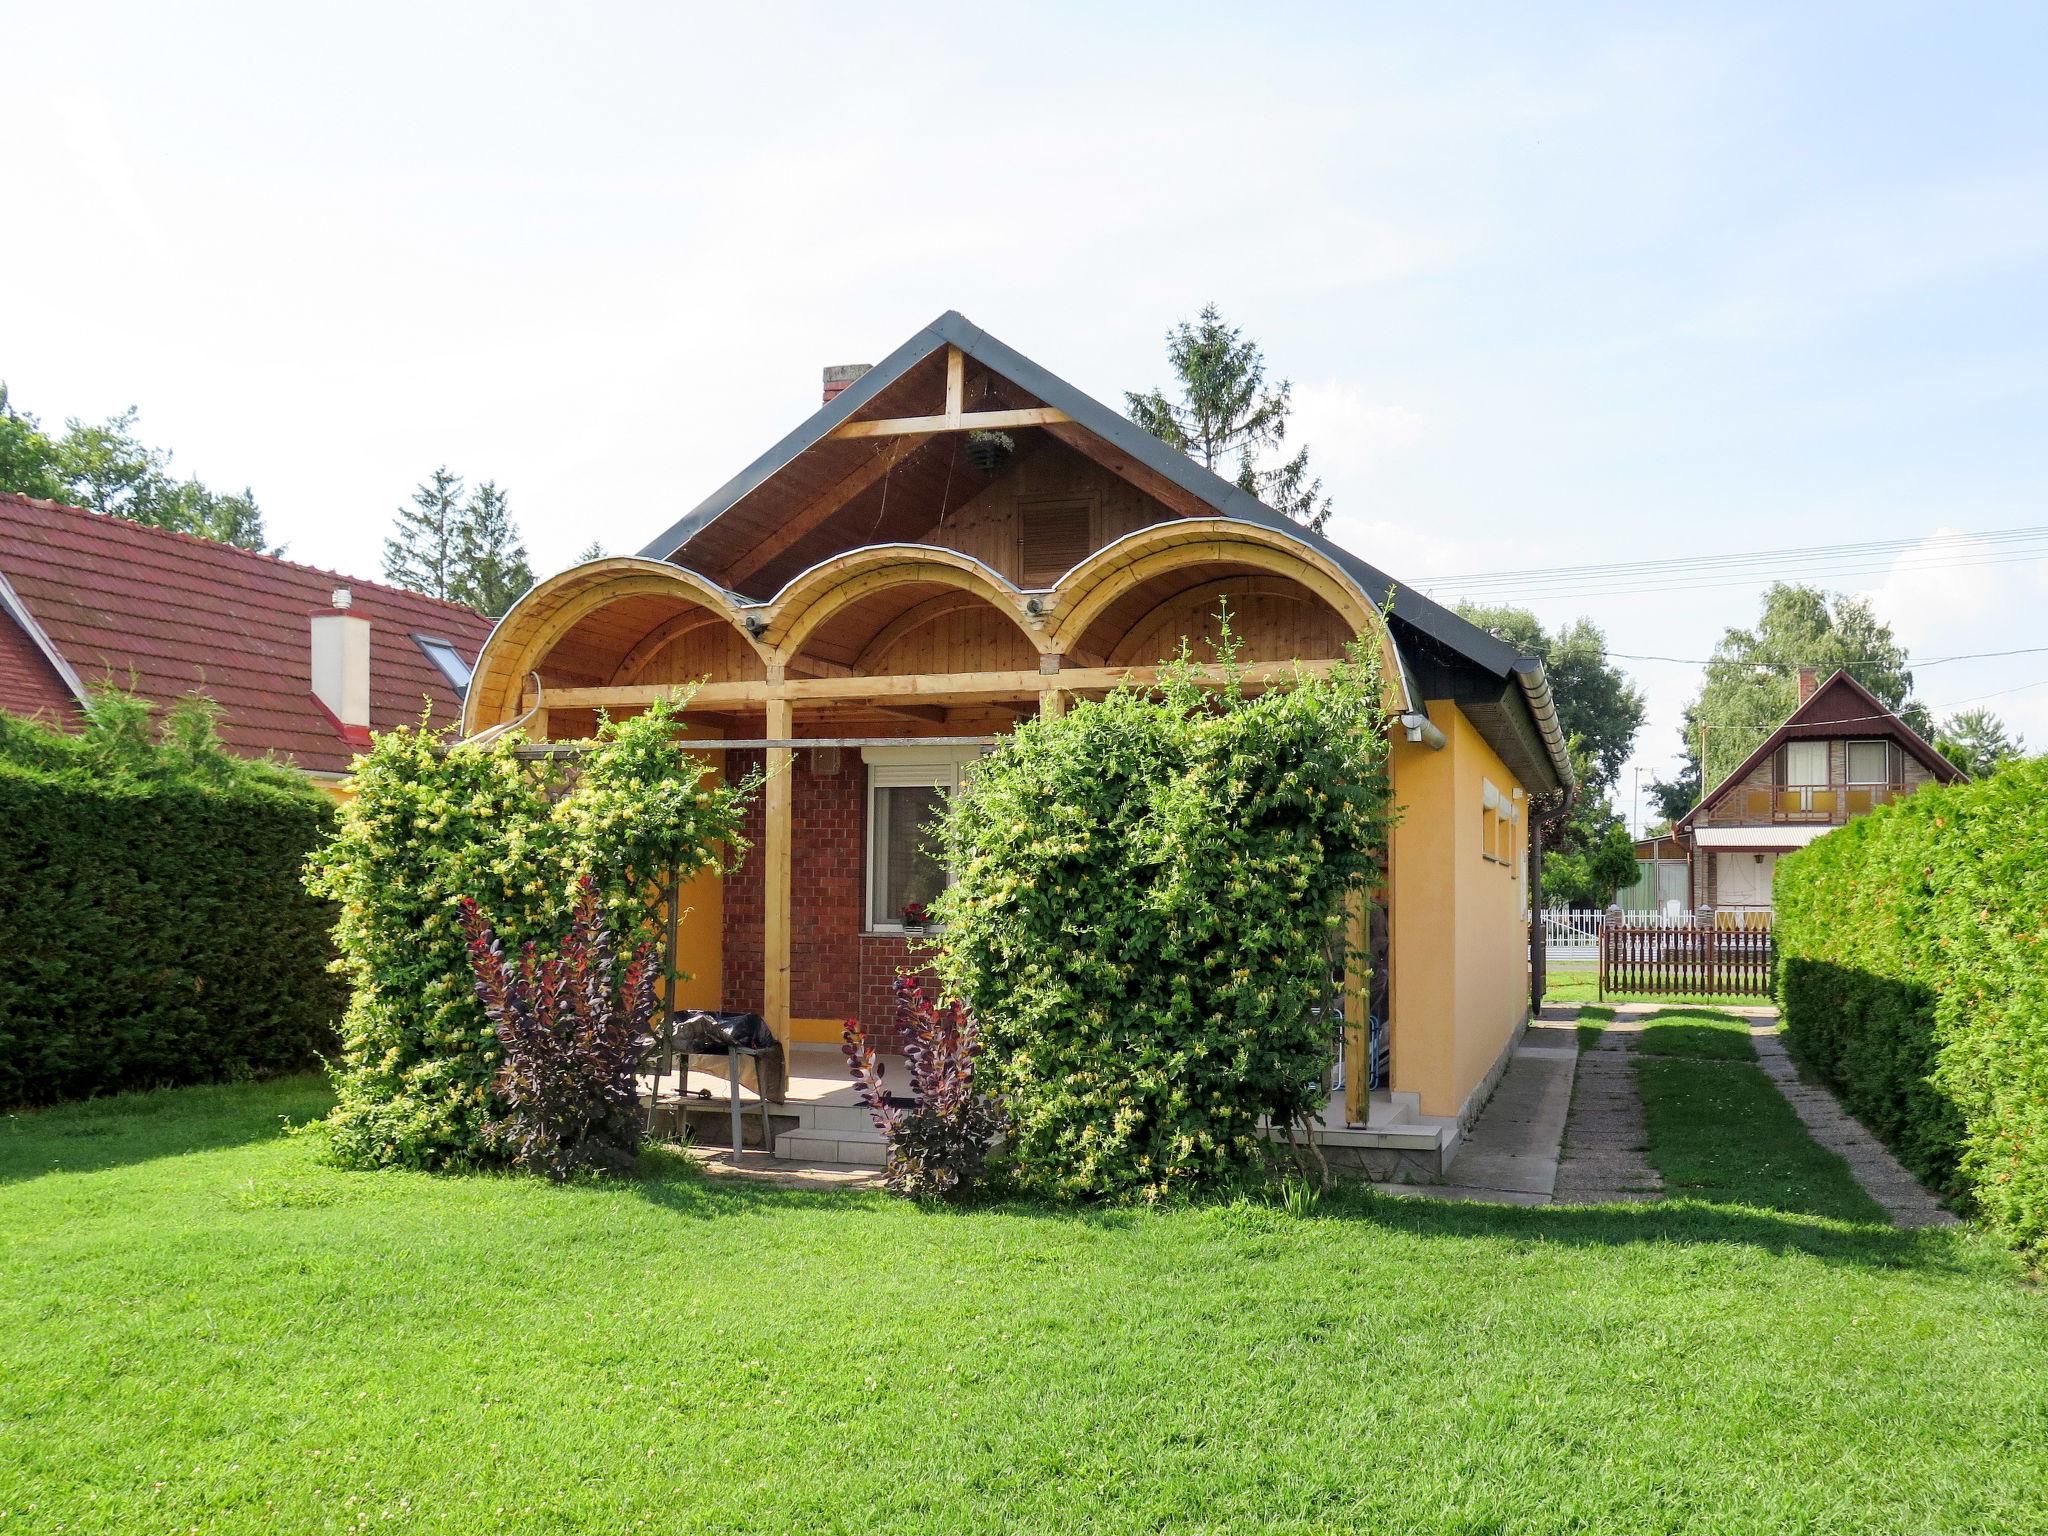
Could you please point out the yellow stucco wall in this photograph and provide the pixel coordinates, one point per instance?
(700, 936)
(1459, 944)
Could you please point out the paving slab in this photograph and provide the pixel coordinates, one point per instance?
(1603, 1159)
(1905, 1199)
(1509, 1154)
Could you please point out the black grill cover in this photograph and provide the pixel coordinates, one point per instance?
(709, 1032)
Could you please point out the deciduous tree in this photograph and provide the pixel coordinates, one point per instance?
(1752, 682)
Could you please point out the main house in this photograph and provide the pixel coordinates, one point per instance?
(303, 663)
(958, 540)
(1839, 754)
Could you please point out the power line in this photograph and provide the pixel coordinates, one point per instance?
(1931, 661)
(1506, 588)
(1746, 557)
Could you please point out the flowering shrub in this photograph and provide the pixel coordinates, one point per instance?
(938, 1144)
(431, 825)
(1149, 904)
(572, 1040)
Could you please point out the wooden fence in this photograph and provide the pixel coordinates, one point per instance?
(1705, 961)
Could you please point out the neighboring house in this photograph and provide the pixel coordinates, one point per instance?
(87, 600)
(1839, 754)
(1662, 873)
(958, 540)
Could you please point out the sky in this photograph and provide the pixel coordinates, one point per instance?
(1554, 285)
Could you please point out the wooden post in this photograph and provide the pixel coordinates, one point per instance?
(775, 873)
(1052, 703)
(1357, 1003)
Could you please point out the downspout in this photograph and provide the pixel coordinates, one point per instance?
(1535, 686)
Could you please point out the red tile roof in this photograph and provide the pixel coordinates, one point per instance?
(173, 613)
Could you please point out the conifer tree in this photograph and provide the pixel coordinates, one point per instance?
(424, 549)
(491, 571)
(1226, 412)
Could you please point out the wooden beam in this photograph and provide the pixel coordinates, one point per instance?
(956, 382)
(911, 686)
(778, 798)
(807, 517)
(967, 421)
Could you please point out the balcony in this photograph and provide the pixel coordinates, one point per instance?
(1816, 804)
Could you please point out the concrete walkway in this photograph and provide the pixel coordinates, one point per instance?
(1604, 1140)
(1509, 1156)
(1883, 1177)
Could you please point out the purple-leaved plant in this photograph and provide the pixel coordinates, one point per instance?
(938, 1143)
(573, 1042)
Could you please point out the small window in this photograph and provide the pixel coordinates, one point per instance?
(905, 872)
(1053, 536)
(1806, 763)
(1489, 833)
(1870, 762)
(447, 661)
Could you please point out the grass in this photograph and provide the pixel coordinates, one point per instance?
(1567, 985)
(1721, 1131)
(1701, 1033)
(1593, 1019)
(204, 1327)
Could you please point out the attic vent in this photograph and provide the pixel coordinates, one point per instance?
(1053, 537)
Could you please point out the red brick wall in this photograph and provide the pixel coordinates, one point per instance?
(836, 971)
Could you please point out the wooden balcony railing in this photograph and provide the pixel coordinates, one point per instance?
(1820, 804)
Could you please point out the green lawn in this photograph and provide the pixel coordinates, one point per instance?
(203, 1327)
(1697, 1032)
(1568, 985)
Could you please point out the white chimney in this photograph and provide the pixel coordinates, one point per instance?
(341, 662)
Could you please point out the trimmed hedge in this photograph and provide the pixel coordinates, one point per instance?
(155, 933)
(1913, 972)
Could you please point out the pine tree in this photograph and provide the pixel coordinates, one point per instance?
(491, 571)
(1226, 412)
(423, 552)
(594, 551)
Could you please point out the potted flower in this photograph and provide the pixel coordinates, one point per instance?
(989, 451)
(916, 917)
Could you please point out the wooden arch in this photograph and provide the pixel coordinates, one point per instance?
(532, 626)
(796, 613)
(1086, 591)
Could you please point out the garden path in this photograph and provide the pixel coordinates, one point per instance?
(1883, 1177)
(1604, 1140)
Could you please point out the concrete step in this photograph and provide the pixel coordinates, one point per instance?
(816, 1147)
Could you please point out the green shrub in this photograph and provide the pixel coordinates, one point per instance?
(431, 825)
(1148, 909)
(1913, 973)
(152, 926)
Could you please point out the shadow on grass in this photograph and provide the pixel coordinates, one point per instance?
(125, 1129)
(672, 1182)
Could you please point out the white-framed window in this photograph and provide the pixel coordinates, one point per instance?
(1870, 762)
(907, 787)
(1806, 764)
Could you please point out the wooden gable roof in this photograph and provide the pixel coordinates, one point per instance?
(1839, 708)
(825, 489)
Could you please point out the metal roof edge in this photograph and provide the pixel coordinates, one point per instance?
(18, 611)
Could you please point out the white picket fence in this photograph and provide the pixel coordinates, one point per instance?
(1571, 935)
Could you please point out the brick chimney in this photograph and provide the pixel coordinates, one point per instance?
(341, 667)
(1809, 681)
(839, 375)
